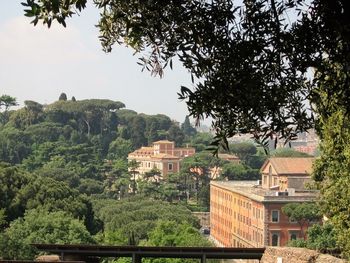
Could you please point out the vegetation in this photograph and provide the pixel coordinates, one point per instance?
(304, 214)
(319, 237)
(38, 226)
(250, 64)
(288, 152)
(65, 178)
(332, 176)
(131, 221)
(260, 51)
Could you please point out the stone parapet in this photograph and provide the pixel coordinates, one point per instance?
(296, 255)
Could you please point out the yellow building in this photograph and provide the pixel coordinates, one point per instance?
(162, 155)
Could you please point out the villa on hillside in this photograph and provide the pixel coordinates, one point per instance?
(162, 155)
(248, 213)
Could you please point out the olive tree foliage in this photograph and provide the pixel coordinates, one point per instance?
(249, 60)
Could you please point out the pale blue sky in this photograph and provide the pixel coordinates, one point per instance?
(38, 64)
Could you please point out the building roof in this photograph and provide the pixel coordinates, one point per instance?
(290, 165)
(164, 156)
(143, 151)
(254, 191)
(163, 141)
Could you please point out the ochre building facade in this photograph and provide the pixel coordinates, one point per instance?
(249, 214)
(162, 155)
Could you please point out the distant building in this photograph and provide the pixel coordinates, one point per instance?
(248, 213)
(306, 142)
(163, 155)
(283, 172)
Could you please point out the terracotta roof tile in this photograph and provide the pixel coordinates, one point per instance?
(291, 165)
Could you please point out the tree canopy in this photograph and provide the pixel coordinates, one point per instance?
(303, 213)
(261, 66)
(39, 226)
(7, 101)
(250, 61)
(61, 162)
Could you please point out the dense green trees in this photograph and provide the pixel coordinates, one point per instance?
(39, 226)
(319, 237)
(201, 141)
(65, 178)
(12, 181)
(135, 219)
(244, 150)
(171, 233)
(15, 145)
(288, 152)
(251, 62)
(332, 175)
(119, 148)
(234, 171)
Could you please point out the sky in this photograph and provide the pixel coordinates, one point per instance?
(39, 64)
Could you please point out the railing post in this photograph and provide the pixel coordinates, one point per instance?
(203, 259)
(136, 258)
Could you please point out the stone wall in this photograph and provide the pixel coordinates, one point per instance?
(296, 255)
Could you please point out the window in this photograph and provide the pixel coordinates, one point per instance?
(275, 181)
(293, 235)
(170, 166)
(275, 216)
(275, 239)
